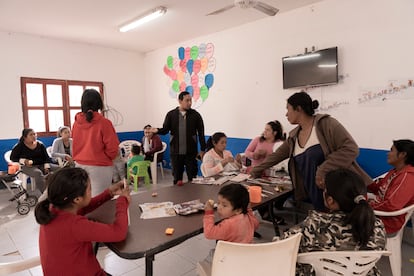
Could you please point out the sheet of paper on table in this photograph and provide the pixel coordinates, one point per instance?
(240, 177)
(203, 180)
(157, 210)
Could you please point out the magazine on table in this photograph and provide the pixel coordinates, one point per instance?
(189, 207)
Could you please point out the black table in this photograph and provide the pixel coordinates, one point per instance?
(146, 237)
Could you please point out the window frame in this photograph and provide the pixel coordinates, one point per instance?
(66, 108)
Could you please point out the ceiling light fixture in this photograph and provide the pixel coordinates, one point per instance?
(155, 13)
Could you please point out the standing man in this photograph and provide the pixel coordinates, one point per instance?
(184, 125)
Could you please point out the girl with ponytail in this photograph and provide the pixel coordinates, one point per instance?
(66, 235)
(349, 224)
(95, 142)
(217, 159)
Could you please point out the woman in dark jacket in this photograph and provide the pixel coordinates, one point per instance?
(33, 157)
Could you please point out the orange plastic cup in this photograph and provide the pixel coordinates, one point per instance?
(12, 168)
(255, 193)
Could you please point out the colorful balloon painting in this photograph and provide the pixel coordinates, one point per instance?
(192, 70)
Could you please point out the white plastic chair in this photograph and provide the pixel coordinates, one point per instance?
(58, 159)
(8, 268)
(394, 242)
(126, 146)
(345, 263)
(272, 258)
(154, 164)
(203, 171)
(22, 176)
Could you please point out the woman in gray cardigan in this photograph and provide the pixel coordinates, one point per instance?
(62, 146)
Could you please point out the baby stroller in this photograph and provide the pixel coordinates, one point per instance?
(19, 193)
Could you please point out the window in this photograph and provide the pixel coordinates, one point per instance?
(48, 104)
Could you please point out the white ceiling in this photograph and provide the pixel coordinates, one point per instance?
(97, 21)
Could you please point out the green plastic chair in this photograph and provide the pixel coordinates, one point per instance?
(142, 171)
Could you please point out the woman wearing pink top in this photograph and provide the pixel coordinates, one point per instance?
(262, 146)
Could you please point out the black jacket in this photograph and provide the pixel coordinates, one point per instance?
(195, 127)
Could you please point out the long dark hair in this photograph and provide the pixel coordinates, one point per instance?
(237, 195)
(62, 188)
(213, 139)
(348, 189)
(276, 126)
(91, 101)
(407, 146)
(303, 100)
(25, 132)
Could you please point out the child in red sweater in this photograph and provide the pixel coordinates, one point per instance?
(238, 221)
(65, 234)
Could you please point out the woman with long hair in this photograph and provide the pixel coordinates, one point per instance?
(33, 157)
(317, 145)
(396, 190)
(260, 147)
(95, 142)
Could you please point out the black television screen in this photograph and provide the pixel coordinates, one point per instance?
(315, 68)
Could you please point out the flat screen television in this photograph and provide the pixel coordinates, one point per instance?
(311, 69)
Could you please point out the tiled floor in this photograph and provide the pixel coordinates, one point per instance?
(19, 239)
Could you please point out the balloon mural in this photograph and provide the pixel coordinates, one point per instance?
(192, 71)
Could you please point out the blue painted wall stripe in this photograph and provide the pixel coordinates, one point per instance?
(373, 161)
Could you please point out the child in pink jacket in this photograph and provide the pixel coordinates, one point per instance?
(238, 221)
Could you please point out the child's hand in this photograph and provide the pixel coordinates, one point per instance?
(227, 160)
(116, 189)
(120, 189)
(209, 205)
(126, 193)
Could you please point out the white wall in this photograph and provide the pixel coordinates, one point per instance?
(121, 72)
(374, 39)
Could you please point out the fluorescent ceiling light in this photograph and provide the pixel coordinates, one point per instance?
(327, 65)
(155, 13)
(305, 56)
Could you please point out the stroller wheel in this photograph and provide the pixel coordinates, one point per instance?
(31, 200)
(23, 209)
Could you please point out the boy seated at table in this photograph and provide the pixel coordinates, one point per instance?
(238, 221)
